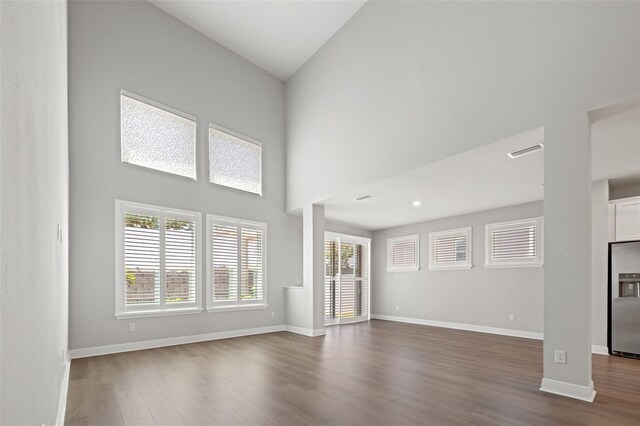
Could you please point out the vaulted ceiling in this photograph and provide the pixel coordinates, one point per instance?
(277, 36)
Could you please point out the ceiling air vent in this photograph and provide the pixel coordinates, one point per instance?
(525, 151)
(364, 197)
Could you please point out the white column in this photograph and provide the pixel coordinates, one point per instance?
(313, 264)
(599, 264)
(567, 271)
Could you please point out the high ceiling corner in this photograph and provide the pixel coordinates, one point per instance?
(277, 36)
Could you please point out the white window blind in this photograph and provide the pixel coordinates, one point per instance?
(517, 243)
(236, 263)
(235, 161)
(331, 281)
(141, 259)
(251, 260)
(224, 259)
(156, 136)
(403, 253)
(450, 249)
(158, 256)
(346, 278)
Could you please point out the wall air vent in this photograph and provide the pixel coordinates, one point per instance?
(364, 197)
(525, 151)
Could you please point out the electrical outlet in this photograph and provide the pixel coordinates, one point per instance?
(512, 317)
(273, 314)
(560, 357)
(132, 326)
(397, 308)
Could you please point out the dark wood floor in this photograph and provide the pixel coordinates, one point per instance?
(377, 373)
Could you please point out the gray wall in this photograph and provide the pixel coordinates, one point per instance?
(347, 229)
(479, 296)
(404, 84)
(137, 47)
(449, 70)
(34, 199)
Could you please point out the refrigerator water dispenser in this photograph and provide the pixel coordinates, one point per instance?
(629, 285)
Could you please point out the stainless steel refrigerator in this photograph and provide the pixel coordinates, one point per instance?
(624, 298)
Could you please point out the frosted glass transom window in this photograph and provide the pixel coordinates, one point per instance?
(234, 161)
(156, 137)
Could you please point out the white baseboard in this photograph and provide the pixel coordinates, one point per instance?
(306, 331)
(64, 387)
(171, 341)
(600, 350)
(459, 326)
(570, 390)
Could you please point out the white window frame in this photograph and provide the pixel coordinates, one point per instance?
(462, 264)
(245, 139)
(170, 110)
(515, 263)
(234, 305)
(160, 309)
(415, 266)
(350, 239)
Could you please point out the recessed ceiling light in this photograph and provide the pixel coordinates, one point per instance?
(417, 203)
(364, 197)
(525, 151)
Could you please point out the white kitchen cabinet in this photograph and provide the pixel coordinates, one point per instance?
(626, 218)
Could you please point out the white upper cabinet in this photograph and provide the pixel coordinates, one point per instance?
(626, 217)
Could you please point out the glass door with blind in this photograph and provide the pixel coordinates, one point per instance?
(346, 282)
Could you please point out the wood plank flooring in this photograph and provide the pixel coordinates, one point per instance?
(375, 373)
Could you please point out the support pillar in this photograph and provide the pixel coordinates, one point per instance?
(313, 264)
(567, 245)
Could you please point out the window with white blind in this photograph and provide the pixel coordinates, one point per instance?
(156, 136)
(346, 280)
(236, 264)
(234, 160)
(403, 253)
(450, 249)
(514, 244)
(158, 260)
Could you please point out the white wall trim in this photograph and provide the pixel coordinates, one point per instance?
(459, 326)
(64, 387)
(570, 390)
(306, 331)
(600, 350)
(171, 341)
(596, 349)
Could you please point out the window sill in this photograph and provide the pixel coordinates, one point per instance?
(450, 268)
(514, 265)
(229, 308)
(165, 313)
(412, 269)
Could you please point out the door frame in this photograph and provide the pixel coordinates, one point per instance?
(354, 239)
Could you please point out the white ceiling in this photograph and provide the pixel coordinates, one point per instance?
(277, 36)
(476, 180)
(486, 178)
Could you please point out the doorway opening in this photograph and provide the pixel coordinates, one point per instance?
(346, 278)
